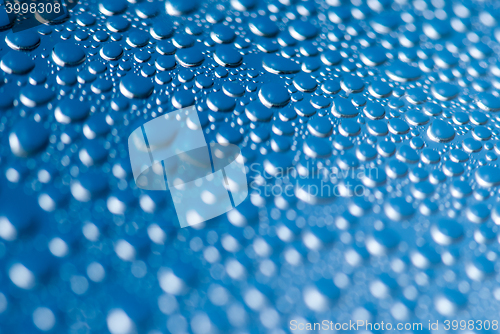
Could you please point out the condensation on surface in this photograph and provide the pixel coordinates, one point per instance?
(388, 108)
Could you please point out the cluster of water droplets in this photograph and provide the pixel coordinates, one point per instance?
(397, 99)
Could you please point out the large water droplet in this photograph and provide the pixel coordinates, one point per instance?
(219, 101)
(488, 176)
(180, 7)
(256, 111)
(28, 137)
(16, 63)
(440, 131)
(274, 95)
(226, 55)
(34, 96)
(133, 86)
(403, 72)
(189, 57)
(112, 7)
(279, 65)
(24, 40)
(488, 102)
(71, 110)
(68, 54)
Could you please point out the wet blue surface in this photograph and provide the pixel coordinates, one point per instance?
(391, 107)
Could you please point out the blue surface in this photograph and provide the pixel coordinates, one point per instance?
(388, 108)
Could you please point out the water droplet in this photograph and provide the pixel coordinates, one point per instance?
(441, 132)
(320, 127)
(444, 91)
(481, 133)
(112, 7)
(302, 30)
(403, 72)
(373, 56)
(279, 65)
(377, 127)
(16, 63)
(304, 109)
(243, 5)
(488, 176)
(189, 57)
(180, 7)
(344, 108)
(137, 38)
(488, 102)
(398, 126)
(133, 86)
(226, 55)
(165, 63)
(24, 40)
(256, 111)
(183, 99)
(219, 101)
(68, 54)
(304, 82)
(416, 118)
(263, 26)
(446, 231)
(274, 95)
(34, 96)
(349, 128)
(28, 137)
(71, 111)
